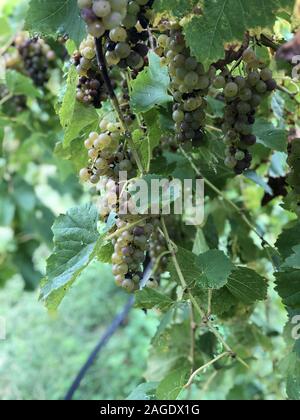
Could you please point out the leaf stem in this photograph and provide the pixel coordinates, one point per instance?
(192, 298)
(206, 366)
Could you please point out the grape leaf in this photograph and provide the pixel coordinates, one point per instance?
(294, 260)
(75, 240)
(293, 377)
(178, 8)
(288, 287)
(172, 385)
(18, 84)
(215, 268)
(226, 21)
(150, 88)
(247, 286)
(270, 136)
(55, 17)
(148, 298)
(144, 392)
(208, 270)
(288, 239)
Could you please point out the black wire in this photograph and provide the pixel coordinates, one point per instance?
(117, 322)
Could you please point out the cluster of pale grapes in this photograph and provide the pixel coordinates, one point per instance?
(91, 88)
(130, 249)
(189, 84)
(106, 157)
(242, 96)
(32, 56)
(102, 15)
(126, 45)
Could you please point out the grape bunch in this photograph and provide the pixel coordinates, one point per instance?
(102, 15)
(107, 156)
(126, 45)
(130, 251)
(91, 88)
(36, 57)
(242, 96)
(189, 84)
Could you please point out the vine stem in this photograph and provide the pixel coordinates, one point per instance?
(204, 367)
(227, 200)
(114, 100)
(5, 99)
(191, 297)
(125, 228)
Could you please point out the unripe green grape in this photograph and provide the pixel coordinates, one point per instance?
(101, 8)
(122, 50)
(93, 153)
(118, 5)
(203, 82)
(191, 79)
(113, 20)
(191, 64)
(88, 53)
(94, 179)
(219, 82)
(82, 4)
(231, 90)
(253, 78)
(84, 175)
(96, 29)
(249, 55)
(162, 40)
(133, 8)
(240, 81)
(128, 285)
(266, 74)
(243, 108)
(112, 58)
(261, 87)
(118, 34)
(240, 155)
(246, 95)
(179, 61)
(178, 116)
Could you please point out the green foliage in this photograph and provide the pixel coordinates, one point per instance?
(225, 21)
(75, 239)
(149, 90)
(215, 281)
(55, 17)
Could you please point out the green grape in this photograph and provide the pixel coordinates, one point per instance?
(253, 78)
(191, 79)
(231, 90)
(261, 87)
(122, 50)
(101, 8)
(220, 82)
(249, 56)
(118, 34)
(266, 74)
